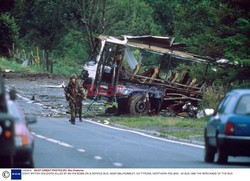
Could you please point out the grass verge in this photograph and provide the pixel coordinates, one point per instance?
(12, 65)
(183, 128)
(59, 67)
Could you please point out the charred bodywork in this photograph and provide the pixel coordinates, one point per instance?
(142, 75)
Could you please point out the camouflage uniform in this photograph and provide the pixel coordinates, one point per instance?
(74, 94)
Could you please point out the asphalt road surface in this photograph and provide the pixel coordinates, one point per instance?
(92, 145)
(59, 144)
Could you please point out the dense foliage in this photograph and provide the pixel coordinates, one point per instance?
(215, 28)
(8, 32)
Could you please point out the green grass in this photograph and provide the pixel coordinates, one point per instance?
(167, 126)
(174, 126)
(62, 67)
(160, 121)
(11, 64)
(181, 134)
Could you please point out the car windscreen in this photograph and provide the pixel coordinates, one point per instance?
(243, 106)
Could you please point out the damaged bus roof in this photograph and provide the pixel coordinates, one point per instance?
(164, 45)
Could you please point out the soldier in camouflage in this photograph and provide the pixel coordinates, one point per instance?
(74, 95)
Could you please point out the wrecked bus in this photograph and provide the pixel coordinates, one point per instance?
(141, 75)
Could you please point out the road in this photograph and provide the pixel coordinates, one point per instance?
(88, 144)
(91, 145)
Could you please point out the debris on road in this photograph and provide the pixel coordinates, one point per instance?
(7, 70)
(55, 86)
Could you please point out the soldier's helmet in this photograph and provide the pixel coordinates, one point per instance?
(73, 76)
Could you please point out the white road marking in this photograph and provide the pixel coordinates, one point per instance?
(24, 98)
(65, 145)
(145, 135)
(98, 158)
(81, 150)
(117, 164)
(40, 104)
(40, 136)
(53, 141)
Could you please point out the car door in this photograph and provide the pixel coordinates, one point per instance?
(241, 116)
(216, 119)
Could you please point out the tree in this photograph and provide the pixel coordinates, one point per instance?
(8, 33)
(41, 22)
(215, 28)
(163, 15)
(113, 17)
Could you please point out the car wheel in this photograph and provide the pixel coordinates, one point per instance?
(138, 105)
(209, 152)
(31, 163)
(6, 162)
(222, 156)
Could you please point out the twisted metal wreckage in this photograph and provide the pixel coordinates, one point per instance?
(139, 75)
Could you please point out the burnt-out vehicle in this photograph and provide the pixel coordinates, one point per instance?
(143, 74)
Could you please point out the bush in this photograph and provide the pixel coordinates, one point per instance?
(245, 85)
(72, 47)
(66, 67)
(212, 97)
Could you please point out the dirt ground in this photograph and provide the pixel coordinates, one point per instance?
(40, 90)
(43, 91)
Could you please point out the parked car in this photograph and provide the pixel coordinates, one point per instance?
(227, 133)
(7, 141)
(24, 141)
(17, 143)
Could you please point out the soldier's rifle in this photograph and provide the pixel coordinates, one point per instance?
(74, 101)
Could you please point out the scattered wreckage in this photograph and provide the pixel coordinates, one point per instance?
(141, 75)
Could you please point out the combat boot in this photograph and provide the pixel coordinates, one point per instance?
(73, 121)
(80, 117)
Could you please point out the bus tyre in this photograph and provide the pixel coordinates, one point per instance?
(138, 105)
